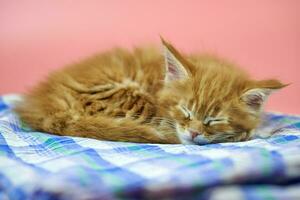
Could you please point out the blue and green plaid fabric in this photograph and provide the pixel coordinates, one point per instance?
(35, 165)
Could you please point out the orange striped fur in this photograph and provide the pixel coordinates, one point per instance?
(143, 96)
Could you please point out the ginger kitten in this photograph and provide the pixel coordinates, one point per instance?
(142, 96)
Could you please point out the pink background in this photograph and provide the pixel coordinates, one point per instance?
(262, 36)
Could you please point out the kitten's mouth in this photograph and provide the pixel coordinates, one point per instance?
(198, 138)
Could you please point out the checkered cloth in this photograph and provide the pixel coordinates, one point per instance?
(35, 165)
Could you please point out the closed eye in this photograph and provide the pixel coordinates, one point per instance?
(186, 112)
(210, 121)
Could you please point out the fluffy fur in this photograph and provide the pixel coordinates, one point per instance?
(142, 96)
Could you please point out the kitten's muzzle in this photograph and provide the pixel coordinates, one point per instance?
(198, 138)
(194, 133)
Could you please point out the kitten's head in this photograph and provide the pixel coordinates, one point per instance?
(210, 100)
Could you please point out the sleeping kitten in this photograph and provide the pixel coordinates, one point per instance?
(141, 96)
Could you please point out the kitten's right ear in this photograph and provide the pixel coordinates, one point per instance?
(175, 69)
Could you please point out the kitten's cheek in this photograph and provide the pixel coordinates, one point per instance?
(185, 138)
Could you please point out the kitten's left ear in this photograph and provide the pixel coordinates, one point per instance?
(257, 96)
(175, 69)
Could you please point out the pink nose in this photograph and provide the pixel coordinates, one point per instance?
(194, 133)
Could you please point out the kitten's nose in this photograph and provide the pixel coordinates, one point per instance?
(198, 138)
(194, 133)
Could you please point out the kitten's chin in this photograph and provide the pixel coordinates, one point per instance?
(201, 140)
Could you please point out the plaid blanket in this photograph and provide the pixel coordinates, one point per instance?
(35, 165)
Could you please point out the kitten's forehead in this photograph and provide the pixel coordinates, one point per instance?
(212, 100)
(216, 87)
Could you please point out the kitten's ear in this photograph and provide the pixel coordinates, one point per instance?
(175, 69)
(257, 96)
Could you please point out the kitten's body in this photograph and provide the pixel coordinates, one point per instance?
(110, 96)
(131, 96)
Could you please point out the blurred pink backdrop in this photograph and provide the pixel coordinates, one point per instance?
(262, 36)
